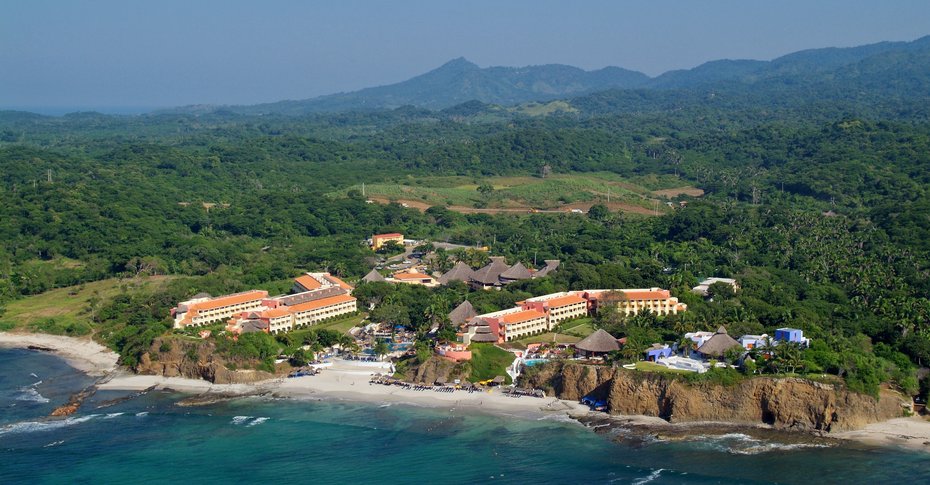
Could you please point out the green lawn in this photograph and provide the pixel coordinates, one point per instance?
(580, 327)
(488, 362)
(653, 367)
(66, 310)
(342, 324)
(562, 338)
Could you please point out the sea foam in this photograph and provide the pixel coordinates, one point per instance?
(33, 426)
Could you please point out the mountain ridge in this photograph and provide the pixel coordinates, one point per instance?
(459, 80)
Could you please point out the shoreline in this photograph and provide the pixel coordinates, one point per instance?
(83, 354)
(345, 382)
(348, 382)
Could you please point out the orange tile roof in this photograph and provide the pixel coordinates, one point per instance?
(308, 282)
(647, 295)
(565, 301)
(411, 276)
(275, 312)
(229, 300)
(523, 316)
(383, 236)
(339, 282)
(322, 302)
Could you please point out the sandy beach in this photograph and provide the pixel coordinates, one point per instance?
(349, 381)
(912, 432)
(82, 354)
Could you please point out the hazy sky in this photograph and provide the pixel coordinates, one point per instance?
(117, 53)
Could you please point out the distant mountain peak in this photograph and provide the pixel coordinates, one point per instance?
(459, 63)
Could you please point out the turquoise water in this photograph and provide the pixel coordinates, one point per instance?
(149, 439)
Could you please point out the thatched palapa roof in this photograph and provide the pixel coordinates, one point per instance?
(599, 341)
(718, 344)
(551, 265)
(462, 313)
(373, 276)
(459, 272)
(490, 274)
(516, 272)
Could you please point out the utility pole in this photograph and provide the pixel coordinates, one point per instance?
(608, 195)
(363, 189)
(49, 175)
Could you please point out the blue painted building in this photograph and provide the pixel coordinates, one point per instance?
(658, 351)
(791, 335)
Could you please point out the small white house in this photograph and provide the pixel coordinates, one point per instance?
(750, 342)
(703, 286)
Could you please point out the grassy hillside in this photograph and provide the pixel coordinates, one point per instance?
(70, 311)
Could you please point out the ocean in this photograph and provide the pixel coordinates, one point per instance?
(149, 439)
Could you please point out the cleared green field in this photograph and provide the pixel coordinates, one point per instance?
(554, 191)
(68, 310)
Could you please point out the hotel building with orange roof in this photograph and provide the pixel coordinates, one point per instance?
(204, 311)
(543, 313)
(316, 297)
(632, 301)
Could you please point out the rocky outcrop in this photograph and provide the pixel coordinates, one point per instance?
(195, 360)
(786, 403)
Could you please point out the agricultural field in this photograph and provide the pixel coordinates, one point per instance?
(560, 192)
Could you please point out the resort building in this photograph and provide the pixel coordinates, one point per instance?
(597, 344)
(273, 320)
(750, 342)
(318, 296)
(306, 314)
(462, 313)
(631, 302)
(460, 272)
(699, 337)
(413, 277)
(379, 240)
(498, 273)
(558, 306)
(658, 352)
(703, 287)
(792, 335)
(523, 324)
(718, 344)
(454, 352)
(206, 310)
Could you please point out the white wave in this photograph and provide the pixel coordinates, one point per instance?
(258, 421)
(33, 426)
(30, 394)
(240, 419)
(142, 414)
(652, 476)
(768, 447)
(34, 375)
(742, 444)
(112, 415)
(53, 443)
(385, 405)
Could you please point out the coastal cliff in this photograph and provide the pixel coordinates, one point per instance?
(784, 403)
(196, 360)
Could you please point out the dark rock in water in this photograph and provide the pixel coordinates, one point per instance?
(74, 403)
(118, 400)
(40, 348)
(214, 397)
